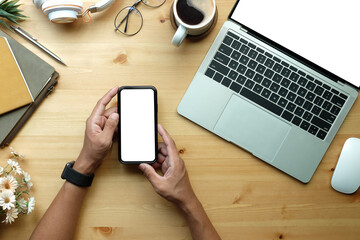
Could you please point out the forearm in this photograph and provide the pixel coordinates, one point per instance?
(59, 221)
(199, 223)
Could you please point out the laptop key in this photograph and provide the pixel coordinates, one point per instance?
(250, 73)
(233, 64)
(327, 106)
(291, 96)
(257, 88)
(285, 82)
(316, 110)
(293, 87)
(310, 86)
(218, 77)
(236, 45)
(283, 102)
(235, 55)
(241, 69)
(335, 110)
(260, 69)
(286, 72)
(241, 79)
(233, 35)
(307, 116)
(327, 116)
(226, 82)
(222, 58)
(268, 73)
(313, 130)
(243, 41)
(310, 96)
(319, 90)
(294, 69)
(283, 92)
(261, 58)
(209, 72)
(219, 67)
(277, 78)
(299, 101)
(235, 87)
(260, 50)
(233, 75)
(227, 40)
(294, 77)
(325, 126)
(244, 60)
(290, 107)
(277, 59)
(301, 73)
(258, 78)
(299, 111)
(285, 64)
(268, 55)
(318, 101)
(305, 125)
(308, 105)
(261, 101)
(287, 115)
(277, 68)
(327, 87)
(269, 63)
(302, 81)
(266, 82)
(249, 84)
(244, 49)
(251, 45)
(274, 97)
(266, 93)
(343, 96)
(252, 54)
(338, 101)
(327, 95)
(274, 87)
(225, 49)
(296, 121)
(321, 134)
(252, 64)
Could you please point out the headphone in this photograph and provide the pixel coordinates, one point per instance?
(67, 11)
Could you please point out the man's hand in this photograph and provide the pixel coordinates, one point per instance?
(174, 185)
(100, 128)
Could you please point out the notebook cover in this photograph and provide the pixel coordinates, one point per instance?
(14, 92)
(37, 74)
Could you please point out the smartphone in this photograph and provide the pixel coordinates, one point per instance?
(137, 108)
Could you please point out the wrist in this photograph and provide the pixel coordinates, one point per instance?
(84, 166)
(190, 206)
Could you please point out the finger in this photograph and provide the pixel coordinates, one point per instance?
(150, 173)
(161, 158)
(101, 104)
(110, 125)
(109, 111)
(169, 142)
(162, 149)
(156, 165)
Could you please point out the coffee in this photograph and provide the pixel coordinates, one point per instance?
(194, 12)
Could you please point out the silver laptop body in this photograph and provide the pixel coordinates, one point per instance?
(239, 116)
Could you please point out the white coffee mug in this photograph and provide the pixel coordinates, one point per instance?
(185, 29)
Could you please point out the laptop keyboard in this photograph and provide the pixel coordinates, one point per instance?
(276, 85)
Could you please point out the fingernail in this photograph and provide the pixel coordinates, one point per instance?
(142, 167)
(114, 116)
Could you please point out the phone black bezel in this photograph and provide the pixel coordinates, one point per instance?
(155, 127)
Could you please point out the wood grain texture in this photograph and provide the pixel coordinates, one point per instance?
(243, 196)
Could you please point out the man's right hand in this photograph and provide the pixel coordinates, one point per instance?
(174, 184)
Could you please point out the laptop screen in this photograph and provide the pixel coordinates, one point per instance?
(326, 32)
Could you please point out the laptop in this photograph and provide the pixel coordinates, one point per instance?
(279, 80)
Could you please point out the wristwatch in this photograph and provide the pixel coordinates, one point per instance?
(74, 177)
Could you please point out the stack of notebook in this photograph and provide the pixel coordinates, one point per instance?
(25, 80)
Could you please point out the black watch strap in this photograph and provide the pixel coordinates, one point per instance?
(74, 177)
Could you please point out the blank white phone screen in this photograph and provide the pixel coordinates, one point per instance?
(137, 125)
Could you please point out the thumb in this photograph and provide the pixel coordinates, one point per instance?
(149, 173)
(111, 124)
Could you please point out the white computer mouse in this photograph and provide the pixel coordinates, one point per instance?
(346, 178)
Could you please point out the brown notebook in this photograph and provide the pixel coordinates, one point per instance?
(14, 92)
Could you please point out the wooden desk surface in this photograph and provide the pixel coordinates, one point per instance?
(243, 196)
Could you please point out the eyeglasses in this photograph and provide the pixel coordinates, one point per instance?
(129, 20)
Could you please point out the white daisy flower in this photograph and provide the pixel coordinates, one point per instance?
(31, 205)
(15, 154)
(7, 200)
(8, 183)
(22, 203)
(1, 171)
(15, 166)
(11, 215)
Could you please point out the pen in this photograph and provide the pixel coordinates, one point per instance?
(33, 40)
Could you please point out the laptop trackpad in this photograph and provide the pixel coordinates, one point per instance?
(252, 128)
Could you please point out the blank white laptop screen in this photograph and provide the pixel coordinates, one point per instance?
(326, 32)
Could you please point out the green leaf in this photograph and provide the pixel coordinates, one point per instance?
(3, 23)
